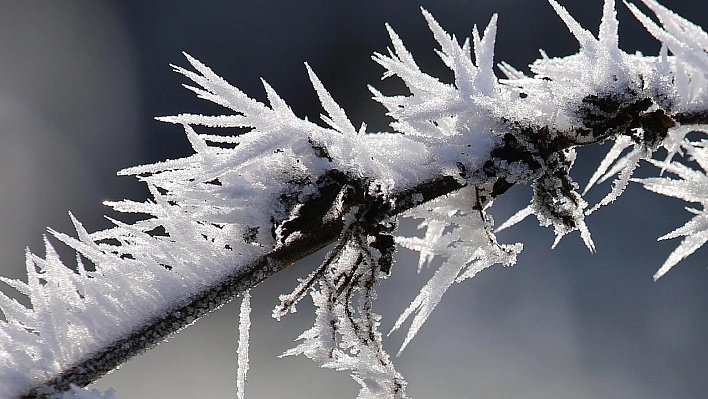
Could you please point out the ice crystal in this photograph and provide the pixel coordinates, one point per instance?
(691, 186)
(345, 336)
(679, 81)
(462, 236)
(244, 327)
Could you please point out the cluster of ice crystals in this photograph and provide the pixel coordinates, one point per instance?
(452, 118)
(462, 237)
(689, 44)
(345, 335)
(559, 84)
(690, 185)
(681, 80)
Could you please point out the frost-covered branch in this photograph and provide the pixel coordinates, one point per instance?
(245, 206)
(153, 331)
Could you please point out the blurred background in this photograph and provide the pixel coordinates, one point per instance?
(80, 82)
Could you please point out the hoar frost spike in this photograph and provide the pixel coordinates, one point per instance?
(243, 207)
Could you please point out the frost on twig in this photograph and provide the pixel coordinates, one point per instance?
(245, 206)
(345, 336)
(468, 247)
(692, 186)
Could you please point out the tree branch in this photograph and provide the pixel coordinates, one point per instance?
(317, 233)
(521, 154)
(318, 236)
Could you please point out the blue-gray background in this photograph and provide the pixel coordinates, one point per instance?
(81, 80)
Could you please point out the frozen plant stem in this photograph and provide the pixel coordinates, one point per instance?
(319, 236)
(244, 207)
(210, 299)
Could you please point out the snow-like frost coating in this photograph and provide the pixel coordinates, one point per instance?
(244, 328)
(691, 186)
(214, 212)
(468, 248)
